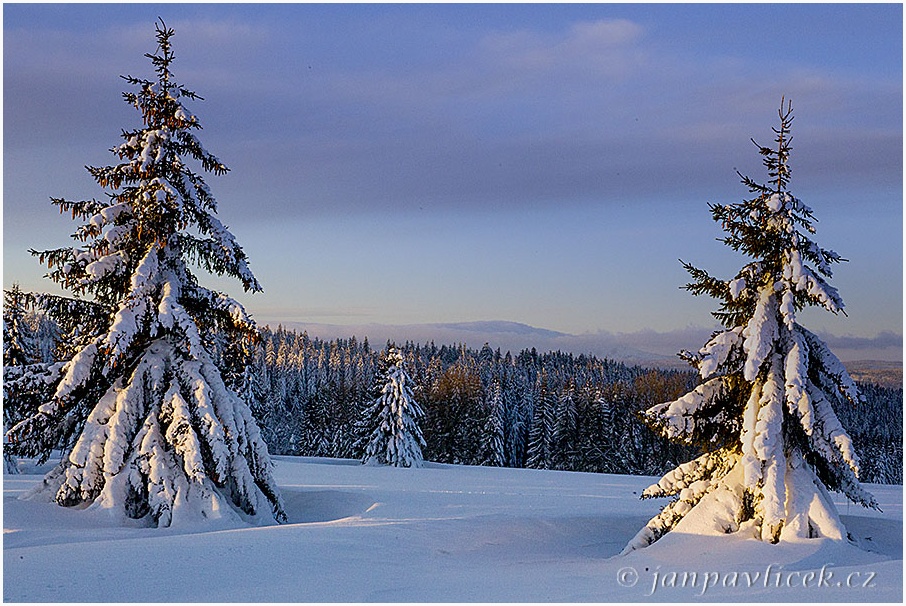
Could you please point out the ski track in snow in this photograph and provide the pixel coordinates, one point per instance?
(440, 533)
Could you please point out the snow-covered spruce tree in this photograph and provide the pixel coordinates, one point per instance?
(19, 346)
(541, 435)
(60, 327)
(18, 351)
(396, 438)
(29, 370)
(565, 429)
(762, 414)
(493, 436)
(160, 438)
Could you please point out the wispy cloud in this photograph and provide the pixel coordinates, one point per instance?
(593, 109)
(604, 48)
(566, 145)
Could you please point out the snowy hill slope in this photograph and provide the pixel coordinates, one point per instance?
(440, 533)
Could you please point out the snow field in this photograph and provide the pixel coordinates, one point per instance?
(440, 533)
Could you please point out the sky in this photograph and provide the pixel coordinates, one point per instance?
(547, 164)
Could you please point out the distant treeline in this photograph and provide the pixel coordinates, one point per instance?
(482, 407)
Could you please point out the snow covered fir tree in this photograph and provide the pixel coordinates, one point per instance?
(151, 430)
(18, 347)
(18, 336)
(763, 413)
(396, 438)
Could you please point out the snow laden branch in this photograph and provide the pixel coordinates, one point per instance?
(764, 412)
(683, 419)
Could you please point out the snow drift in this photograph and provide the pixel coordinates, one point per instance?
(440, 533)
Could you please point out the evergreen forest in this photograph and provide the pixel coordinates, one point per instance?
(550, 410)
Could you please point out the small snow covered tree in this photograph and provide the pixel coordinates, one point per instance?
(541, 438)
(493, 435)
(565, 430)
(160, 437)
(19, 347)
(763, 414)
(396, 438)
(29, 371)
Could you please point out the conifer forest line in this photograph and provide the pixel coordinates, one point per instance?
(482, 407)
(554, 410)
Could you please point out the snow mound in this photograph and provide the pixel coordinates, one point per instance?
(304, 506)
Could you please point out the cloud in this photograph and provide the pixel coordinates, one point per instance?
(592, 111)
(604, 48)
(64, 81)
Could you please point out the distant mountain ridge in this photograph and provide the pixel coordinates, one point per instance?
(500, 326)
(644, 348)
(498, 334)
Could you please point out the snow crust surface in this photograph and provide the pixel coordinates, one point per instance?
(361, 533)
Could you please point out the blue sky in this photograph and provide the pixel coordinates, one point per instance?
(545, 164)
